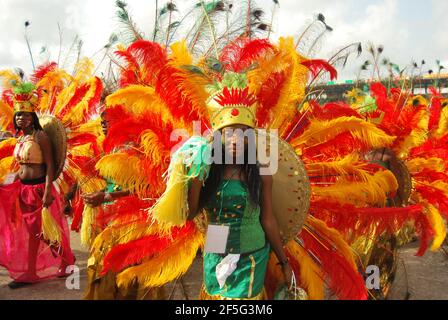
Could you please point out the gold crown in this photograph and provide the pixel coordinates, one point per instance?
(25, 106)
(232, 106)
(25, 98)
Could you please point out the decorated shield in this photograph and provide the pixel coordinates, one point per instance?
(58, 137)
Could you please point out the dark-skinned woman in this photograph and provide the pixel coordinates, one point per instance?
(237, 197)
(25, 252)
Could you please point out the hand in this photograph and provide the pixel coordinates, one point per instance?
(94, 199)
(47, 200)
(287, 274)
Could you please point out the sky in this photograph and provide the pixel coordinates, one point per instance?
(408, 29)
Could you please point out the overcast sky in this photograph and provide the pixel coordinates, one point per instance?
(408, 29)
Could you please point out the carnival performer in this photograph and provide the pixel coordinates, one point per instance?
(100, 205)
(30, 203)
(238, 197)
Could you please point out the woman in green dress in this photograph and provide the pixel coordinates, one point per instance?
(237, 197)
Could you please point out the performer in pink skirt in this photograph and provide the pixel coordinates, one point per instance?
(25, 250)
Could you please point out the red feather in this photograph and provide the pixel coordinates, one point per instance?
(268, 97)
(344, 281)
(435, 197)
(129, 130)
(335, 110)
(124, 211)
(85, 138)
(85, 164)
(145, 59)
(6, 151)
(432, 148)
(430, 176)
(343, 144)
(77, 215)
(241, 53)
(8, 98)
(115, 114)
(42, 70)
(75, 99)
(357, 221)
(134, 252)
(435, 113)
(316, 66)
(178, 102)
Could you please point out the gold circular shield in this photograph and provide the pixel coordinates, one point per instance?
(291, 191)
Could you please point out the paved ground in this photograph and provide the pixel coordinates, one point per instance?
(427, 278)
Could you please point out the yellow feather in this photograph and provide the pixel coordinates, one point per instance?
(6, 115)
(48, 84)
(171, 209)
(438, 225)
(417, 165)
(50, 229)
(311, 275)
(126, 171)
(293, 89)
(8, 78)
(151, 145)
(87, 184)
(180, 55)
(64, 96)
(88, 218)
(442, 129)
(436, 221)
(91, 126)
(8, 143)
(349, 165)
(5, 167)
(322, 131)
(416, 138)
(83, 70)
(267, 65)
(138, 99)
(373, 192)
(75, 115)
(168, 266)
(191, 85)
(441, 186)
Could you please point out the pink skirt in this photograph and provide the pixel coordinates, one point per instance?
(23, 251)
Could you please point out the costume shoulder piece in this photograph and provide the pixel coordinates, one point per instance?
(56, 133)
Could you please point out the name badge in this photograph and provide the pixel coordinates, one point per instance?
(216, 241)
(9, 178)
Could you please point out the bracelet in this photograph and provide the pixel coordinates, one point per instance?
(108, 197)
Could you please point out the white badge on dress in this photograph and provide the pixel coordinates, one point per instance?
(216, 241)
(10, 178)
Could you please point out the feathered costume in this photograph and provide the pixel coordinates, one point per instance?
(70, 100)
(164, 89)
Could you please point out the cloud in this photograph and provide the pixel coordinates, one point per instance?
(407, 29)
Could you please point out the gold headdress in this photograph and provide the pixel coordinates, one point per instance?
(25, 98)
(232, 106)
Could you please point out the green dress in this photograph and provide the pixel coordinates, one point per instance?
(231, 206)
